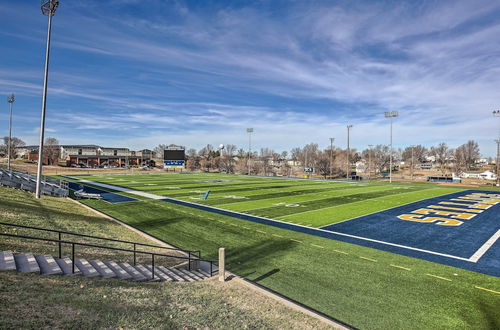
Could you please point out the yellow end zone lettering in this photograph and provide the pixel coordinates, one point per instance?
(436, 220)
(456, 215)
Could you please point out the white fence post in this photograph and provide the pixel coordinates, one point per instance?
(222, 266)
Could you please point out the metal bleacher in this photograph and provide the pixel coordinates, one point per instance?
(25, 181)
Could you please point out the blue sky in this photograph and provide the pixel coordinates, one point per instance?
(138, 73)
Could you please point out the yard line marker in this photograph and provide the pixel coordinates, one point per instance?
(369, 259)
(277, 235)
(441, 278)
(232, 224)
(318, 246)
(489, 290)
(246, 228)
(260, 231)
(291, 239)
(338, 251)
(401, 267)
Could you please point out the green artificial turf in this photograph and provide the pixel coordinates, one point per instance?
(363, 287)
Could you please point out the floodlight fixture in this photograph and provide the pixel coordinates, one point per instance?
(11, 101)
(391, 115)
(48, 8)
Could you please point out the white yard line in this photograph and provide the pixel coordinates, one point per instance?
(331, 207)
(390, 208)
(485, 247)
(297, 202)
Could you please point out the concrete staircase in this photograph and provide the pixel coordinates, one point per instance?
(48, 265)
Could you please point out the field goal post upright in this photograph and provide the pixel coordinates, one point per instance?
(174, 157)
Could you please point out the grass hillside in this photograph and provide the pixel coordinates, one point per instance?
(33, 301)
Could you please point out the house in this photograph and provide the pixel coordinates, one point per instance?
(486, 175)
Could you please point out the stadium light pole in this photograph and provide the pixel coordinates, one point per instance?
(249, 131)
(391, 115)
(11, 101)
(496, 113)
(49, 8)
(370, 146)
(331, 156)
(348, 151)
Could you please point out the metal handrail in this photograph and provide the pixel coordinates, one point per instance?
(101, 238)
(59, 241)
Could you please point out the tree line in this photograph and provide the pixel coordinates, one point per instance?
(331, 161)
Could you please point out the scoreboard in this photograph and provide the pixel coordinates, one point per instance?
(177, 154)
(174, 157)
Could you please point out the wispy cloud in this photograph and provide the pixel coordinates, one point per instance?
(299, 72)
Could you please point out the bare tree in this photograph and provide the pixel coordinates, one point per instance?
(460, 160)
(51, 150)
(419, 153)
(15, 143)
(471, 154)
(442, 154)
(158, 150)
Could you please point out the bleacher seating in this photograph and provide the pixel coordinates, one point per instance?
(25, 181)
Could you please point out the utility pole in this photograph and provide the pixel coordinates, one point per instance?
(249, 131)
(496, 113)
(9, 155)
(348, 171)
(331, 156)
(370, 161)
(48, 9)
(391, 115)
(412, 166)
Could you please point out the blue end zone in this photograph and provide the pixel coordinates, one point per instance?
(105, 195)
(382, 228)
(456, 244)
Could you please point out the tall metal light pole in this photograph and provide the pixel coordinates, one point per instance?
(11, 101)
(496, 113)
(370, 161)
(49, 8)
(331, 156)
(249, 131)
(391, 115)
(348, 152)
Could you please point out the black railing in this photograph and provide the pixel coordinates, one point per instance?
(190, 258)
(134, 244)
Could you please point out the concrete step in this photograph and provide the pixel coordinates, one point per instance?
(136, 275)
(86, 268)
(171, 274)
(48, 265)
(164, 277)
(147, 273)
(102, 269)
(66, 266)
(181, 274)
(7, 261)
(26, 263)
(204, 273)
(119, 271)
(190, 273)
(199, 274)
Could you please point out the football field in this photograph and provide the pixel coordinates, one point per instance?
(312, 203)
(351, 250)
